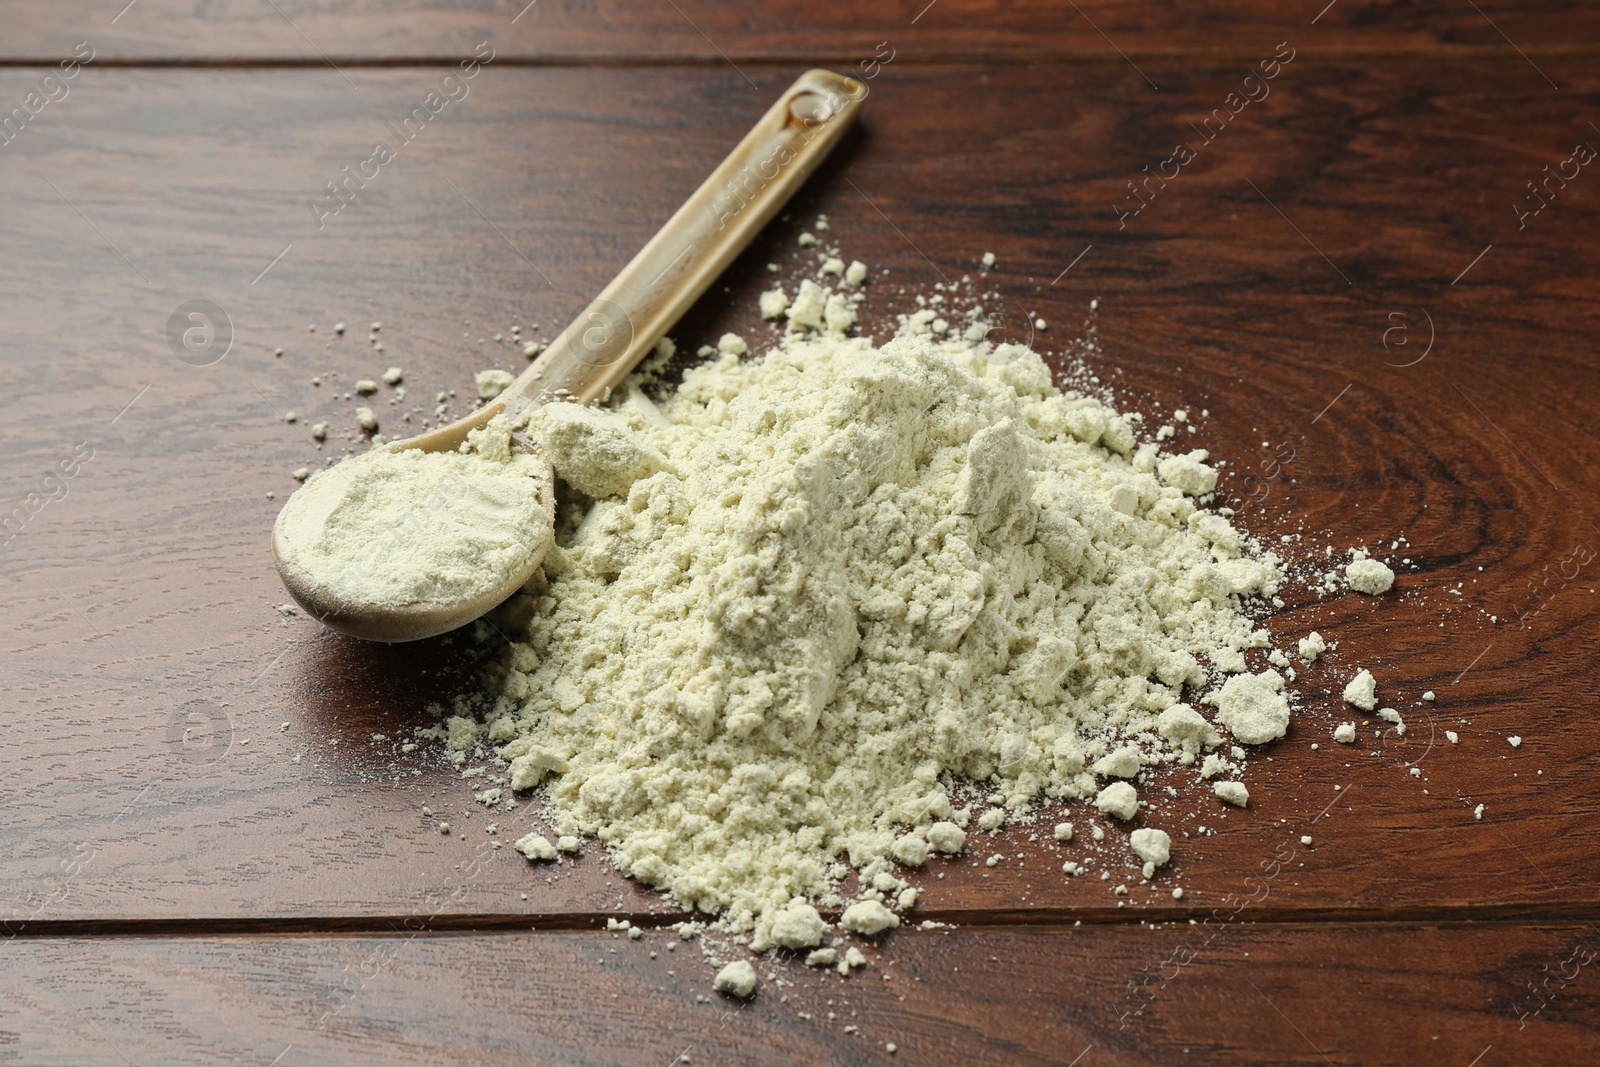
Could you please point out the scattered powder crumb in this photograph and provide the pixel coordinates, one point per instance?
(1362, 692)
(988, 259)
(1477, 813)
(773, 303)
(1369, 576)
(1119, 800)
(319, 430)
(1253, 707)
(1514, 741)
(536, 846)
(1063, 831)
(737, 979)
(1345, 733)
(1428, 696)
(1151, 845)
(1311, 647)
(366, 387)
(393, 376)
(1233, 792)
(946, 837)
(366, 419)
(1122, 763)
(1452, 737)
(491, 383)
(806, 311)
(794, 927)
(868, 917)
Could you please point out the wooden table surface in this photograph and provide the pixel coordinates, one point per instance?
(209, 858)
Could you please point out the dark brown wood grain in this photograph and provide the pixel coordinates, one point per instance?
(1230, 993)
(363, 32)
(150, 586)
(1286, 282)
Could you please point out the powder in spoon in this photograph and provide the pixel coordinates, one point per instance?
(390, 528)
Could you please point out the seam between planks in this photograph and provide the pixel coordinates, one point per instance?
(404, 925)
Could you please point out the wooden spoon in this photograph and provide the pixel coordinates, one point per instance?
(611, 335)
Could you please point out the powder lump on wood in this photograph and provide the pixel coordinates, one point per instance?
(813, 590)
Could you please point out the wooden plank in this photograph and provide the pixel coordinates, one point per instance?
(364, 31)
(147, 592)
(1477, 994)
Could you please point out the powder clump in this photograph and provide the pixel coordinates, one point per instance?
(1253, 707)
(1362, 691)
(737, 979)
(836, 580)
(594, 451)
(1369, 576)
(868, 917)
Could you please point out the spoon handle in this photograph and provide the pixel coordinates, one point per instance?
(714, 225)
(696, 245)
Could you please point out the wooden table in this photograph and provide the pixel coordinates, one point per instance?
(211, 858)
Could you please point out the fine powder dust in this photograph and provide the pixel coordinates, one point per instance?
(395, 528)
(813, 591)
